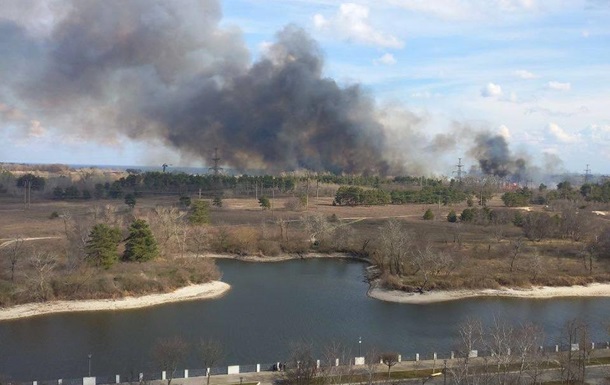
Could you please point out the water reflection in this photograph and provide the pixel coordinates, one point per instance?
(268, 307)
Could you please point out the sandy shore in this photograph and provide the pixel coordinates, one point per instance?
(207, 290)
(592, 290)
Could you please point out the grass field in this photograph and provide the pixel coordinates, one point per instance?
(481, 256)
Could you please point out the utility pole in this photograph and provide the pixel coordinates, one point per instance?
(587, 173)
(27, 194)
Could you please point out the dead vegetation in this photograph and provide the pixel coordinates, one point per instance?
(412, 254)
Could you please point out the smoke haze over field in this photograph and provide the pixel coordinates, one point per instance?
(98, 70)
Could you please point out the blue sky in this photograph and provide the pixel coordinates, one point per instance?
(534, 71)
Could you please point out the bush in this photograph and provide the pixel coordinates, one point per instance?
(452, 217)
(294, 204)
(54, 215)
(269, 248)
(185, 201)
(264, 202)
(428, 215)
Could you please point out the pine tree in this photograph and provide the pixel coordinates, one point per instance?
(264, 202)
(428, 215)
(130, 200)
(101, 248)
(200, 213)
(141, 245)
(452, 217)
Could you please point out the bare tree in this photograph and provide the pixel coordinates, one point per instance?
(168, 354)
(42, 264)
(576, 339)
(317, 227)
(499, 343)
(395, 244)
(515, 249)
(389, 359)
(536, 265)
(335, 374)
(372, 362)
(14, 252)
(199, 239)
(430, 263)
(470, 333)
(169, 227)
(527, 349)
(210, 353)
(302, 366)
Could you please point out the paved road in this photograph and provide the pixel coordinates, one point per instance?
(596, 375)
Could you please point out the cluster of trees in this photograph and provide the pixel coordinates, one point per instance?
(597, 192)
(356, 196)
(430, 195)
(402, 252)
(32, 181)
(590, 192)
(520, 197)
(102, 245)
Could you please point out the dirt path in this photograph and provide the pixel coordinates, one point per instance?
(10, 241)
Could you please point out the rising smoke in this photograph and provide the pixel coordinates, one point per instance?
(166, 70)
(495, 158)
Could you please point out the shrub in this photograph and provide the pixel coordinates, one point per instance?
(294, 204)
(264, 202)
(452, 217)
(428, 215)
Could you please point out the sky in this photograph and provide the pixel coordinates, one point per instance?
(536, 72)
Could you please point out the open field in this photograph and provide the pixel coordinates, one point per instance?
(432, 256)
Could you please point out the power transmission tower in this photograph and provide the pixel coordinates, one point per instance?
(216, 167)
(587, 174)
(459, 169)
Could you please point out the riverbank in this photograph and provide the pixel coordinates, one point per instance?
(283, 257)
(208, 290)
(543, 292)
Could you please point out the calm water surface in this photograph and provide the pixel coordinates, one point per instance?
(268, 307)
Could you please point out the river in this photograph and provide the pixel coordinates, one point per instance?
(269, 306)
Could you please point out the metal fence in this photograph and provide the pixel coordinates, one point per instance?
(223, 370)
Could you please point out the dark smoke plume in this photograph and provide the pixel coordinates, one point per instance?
(495, 158)
(165, 69)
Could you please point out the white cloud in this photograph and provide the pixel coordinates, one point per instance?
(504, 132)
(523, 74)
(559, 86)
(352, 23)
(466, 9)
(559, 134)
(36, 130)
(386, 59)
(597, 133)
(491, 90)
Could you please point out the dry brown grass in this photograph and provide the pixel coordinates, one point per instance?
(242, 227)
